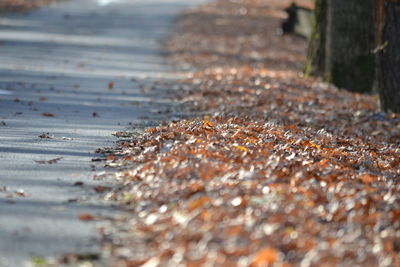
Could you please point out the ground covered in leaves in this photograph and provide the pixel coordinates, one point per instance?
(269, 168)
(21, 5)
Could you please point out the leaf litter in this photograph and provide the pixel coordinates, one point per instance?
(268, 168)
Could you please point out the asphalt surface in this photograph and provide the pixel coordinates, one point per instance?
(76, 72)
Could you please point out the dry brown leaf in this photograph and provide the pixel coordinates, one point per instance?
(86, 217)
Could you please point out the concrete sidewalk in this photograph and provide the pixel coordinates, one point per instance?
(71, 70)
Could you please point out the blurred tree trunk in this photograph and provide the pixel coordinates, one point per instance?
(341, 46)
(315, 64)
(350, 61)
(388, 55)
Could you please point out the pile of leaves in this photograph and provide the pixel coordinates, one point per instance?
(269, 168)
(21, 5)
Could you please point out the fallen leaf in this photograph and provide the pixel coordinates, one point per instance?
(367, 178)
(111, 157)
(86, 217)
(39, 262)
(197, 203)
(46, 136)
(265, 256)
(20, 193)
(99, 159)
(51, 161)
(242, 148)
(101, 189)
(74, 258)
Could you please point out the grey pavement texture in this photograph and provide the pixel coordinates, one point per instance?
(84, 62)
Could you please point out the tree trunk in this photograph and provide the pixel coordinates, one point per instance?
(350, 61)
(315, 64)
(389, 57)
(341, 46)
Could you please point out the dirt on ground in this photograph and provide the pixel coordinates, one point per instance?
(268, 168)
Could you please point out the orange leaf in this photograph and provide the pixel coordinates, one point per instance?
(265, 256)
(315, 145)
(86, 217)
(367, 178)
(234, 230)
(197, 203)
(111, 157)
(208, 123)
(242, 148)
(396, 215)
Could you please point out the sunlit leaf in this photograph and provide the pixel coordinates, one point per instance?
(265, 256)
(241, 148)
(198, 203)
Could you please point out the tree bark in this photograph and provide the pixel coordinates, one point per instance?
(350, 60)
(389, 57)
(341, 46)
(315, 64)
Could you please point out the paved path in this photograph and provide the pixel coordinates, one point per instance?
(80, 63)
